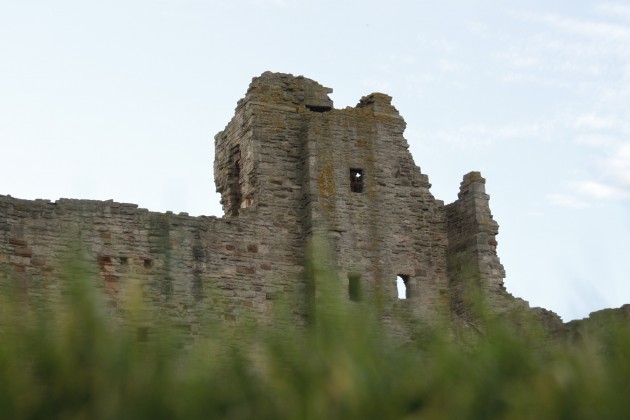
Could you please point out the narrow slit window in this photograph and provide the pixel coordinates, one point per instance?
(236, 195)
(354, 287)
(402, 284)
(356, 180)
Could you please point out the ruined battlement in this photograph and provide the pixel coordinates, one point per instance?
(289, 168)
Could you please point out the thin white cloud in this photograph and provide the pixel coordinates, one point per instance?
(596, 122)
(588, 28)
(441, 45)
(596, 140)
(522, 61)
(479, 28)
(567, 201)
(558, 53)
(619, 10)
(375, 85)
(483, 135)
(599, 190)
(583, 55)
(402, 59)
(450, 65)
(617, 167)
(612, 181)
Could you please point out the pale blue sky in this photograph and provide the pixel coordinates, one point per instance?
(121, 100)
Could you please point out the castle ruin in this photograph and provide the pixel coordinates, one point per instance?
(289, 168)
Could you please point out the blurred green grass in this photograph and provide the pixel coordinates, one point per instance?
(69, 360)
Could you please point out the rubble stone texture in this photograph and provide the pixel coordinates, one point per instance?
(289, 168)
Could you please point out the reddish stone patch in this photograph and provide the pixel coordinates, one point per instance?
(111, 279)
(104, 260)
(23, 252)
(230, 247)
(245, 270)
(265, 266)
(16, 241)
(252, 248)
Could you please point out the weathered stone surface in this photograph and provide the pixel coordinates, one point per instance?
(289, 168)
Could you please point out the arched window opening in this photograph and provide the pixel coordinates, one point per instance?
(402, 284)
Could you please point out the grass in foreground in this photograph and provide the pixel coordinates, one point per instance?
(70, 361)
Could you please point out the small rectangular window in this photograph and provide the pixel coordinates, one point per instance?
(354, 287)
(356, 180)
(402, 284)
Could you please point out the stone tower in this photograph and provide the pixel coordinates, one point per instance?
(304, 169)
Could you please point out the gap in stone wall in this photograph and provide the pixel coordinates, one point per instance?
(402, 284)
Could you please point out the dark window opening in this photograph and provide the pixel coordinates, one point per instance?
(142, 334)
(123, 260)
(354, 287)
(402, 284)
(198, 253)
(235, 180)
(316, 108)
(148, 263)
(356, 180)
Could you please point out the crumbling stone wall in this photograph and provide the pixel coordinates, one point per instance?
(289, 168)
(473, 261)
(186, 265)
(475, 271)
